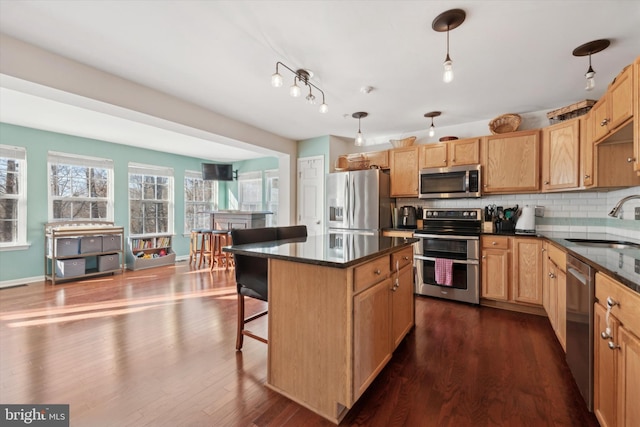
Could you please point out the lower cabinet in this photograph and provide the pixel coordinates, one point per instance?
(555, 290)
(512, 269)
(402, 305)
(616, 354)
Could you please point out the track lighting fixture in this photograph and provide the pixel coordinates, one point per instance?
(448, 21)
(589, 49)
(432, 128)
(300, 76)
(359, 141)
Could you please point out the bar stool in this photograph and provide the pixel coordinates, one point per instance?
(200, 244)
(220, 238)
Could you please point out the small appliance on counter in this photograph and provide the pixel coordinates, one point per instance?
(527, 222)
(408, 218)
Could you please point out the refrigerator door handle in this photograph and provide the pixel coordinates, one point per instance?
(347, 202)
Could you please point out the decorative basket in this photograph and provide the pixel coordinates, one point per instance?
(505, 123)
(351, 163)
(570, 111)
(406, 142)
(448, 138)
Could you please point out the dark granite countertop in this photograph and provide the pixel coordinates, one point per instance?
(330, 250)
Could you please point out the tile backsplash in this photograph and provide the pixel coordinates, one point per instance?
(570, 211)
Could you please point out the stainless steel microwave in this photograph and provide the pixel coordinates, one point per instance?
(449, 183)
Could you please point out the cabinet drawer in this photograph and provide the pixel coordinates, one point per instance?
(628, 308)
(370, 273)
(495, 242)
(403, 257)
(558, 256)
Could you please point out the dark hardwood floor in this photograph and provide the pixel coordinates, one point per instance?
(157, 348)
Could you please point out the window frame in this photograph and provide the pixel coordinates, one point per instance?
(80, 161)
(212, 204)
(156, 172)
(269, 175)
(19, 154)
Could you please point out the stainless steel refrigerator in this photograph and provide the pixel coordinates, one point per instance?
(358, 202)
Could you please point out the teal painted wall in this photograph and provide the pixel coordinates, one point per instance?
(262, 164)
(319, 146)
(29, 263)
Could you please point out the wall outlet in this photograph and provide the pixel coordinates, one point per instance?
(539, 211)
(637, 266)
(637, 212)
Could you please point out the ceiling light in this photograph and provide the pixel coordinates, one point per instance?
(448, 21)
(359, 141)
(589, 49)
(300, 76)
(432, 128)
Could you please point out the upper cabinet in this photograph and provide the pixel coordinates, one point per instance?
(378, 158)
(615, 107)
(451, 153)
(404, 171)
(560, 156)
(636, 124)
(511, 162)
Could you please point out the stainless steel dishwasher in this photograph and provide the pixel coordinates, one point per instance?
(580, 299)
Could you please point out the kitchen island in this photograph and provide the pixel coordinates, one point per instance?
(339, 305)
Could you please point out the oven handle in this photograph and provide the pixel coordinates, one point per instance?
(442, 236)
(455, 261)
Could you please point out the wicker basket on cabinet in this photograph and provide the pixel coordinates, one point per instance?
(505, 123)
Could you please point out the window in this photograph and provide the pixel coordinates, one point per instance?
(272, 177)
(200, 198)
(250, 191)
(150, 199)
(80, 188)
(13, 196)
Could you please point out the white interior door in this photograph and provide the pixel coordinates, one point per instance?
(311, 194)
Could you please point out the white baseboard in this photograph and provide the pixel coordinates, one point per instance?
(23, 281)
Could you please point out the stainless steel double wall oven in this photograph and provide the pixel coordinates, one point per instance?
(453, 236)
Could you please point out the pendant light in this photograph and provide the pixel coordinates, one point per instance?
(589, 49)
(448, 21)
(359, 141)
(432, 128)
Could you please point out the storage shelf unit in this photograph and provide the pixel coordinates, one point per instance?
(78, 249)
(150, 246)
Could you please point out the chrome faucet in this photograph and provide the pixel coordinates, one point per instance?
(617, 208)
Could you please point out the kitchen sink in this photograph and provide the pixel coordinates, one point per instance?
(613, 244)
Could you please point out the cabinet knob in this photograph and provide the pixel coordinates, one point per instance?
(605, 334)
(604, 122)
(378, 271)
(484, 257)
(587, 176)
(494, 243)
(631, 159)
(544, 250)
(546, 183)
(453, 160)
(551, 275)
(406, 258)
(613, 345)
(611, 302)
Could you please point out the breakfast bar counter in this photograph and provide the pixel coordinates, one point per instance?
(339, 304)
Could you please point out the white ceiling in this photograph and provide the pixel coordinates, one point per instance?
(508, 56)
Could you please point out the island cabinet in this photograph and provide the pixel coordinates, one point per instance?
(554, 292)
(561, 156)
(616, 354)
(511, 162)
(451, 153)
(404, 171)
(615, 107)
(332, 330)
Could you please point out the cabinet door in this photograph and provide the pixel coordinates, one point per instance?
(636, 121)
(495, 274)
(587, 165)
(553, 295)
(527, 269)
(464, 152)
(378, 158)
(371, 332)
(561, 307)
(404, 172)
(560, 156)
(402, 304)
(599, 118)
(621, 99)
(511, 162)
(433, 156)
(604, 369)
(628, 379)
(546, 269)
